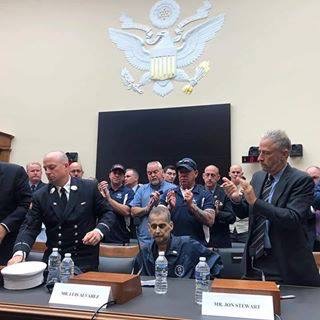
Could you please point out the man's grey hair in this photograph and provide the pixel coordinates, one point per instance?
(160, 210)
(157, 163)
(33, 163)
(280, 138)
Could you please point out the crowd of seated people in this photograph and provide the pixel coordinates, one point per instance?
(277, 214)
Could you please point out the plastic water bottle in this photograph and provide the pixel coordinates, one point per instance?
(54, 262)
(161, 273)
(66, 268)
(202, 276)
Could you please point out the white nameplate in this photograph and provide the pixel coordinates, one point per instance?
(80, 295)
(246, 306)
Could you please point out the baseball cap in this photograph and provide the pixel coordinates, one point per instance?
(186, 163)
(118, 166)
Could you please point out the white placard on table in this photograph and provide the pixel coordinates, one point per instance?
(246, 306)
(80, 295)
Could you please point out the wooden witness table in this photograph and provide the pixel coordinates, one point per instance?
(178, 303)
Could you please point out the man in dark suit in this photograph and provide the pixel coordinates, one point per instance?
(219, 232)
(34, 173)
(277, 201)
(74, 213)
(15, 198)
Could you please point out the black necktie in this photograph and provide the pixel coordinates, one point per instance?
(63, 198)
(33, 188)
(256, 247)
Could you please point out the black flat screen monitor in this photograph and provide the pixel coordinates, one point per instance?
(135, 137)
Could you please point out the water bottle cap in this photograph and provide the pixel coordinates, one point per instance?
(67, 255)
(54, 249)
(202, 259)
(161, 253)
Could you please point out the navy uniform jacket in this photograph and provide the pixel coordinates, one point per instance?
(287, 212)
(183, 255)
(15, 198)
(120, 233)
(86, 209)
(219, 232)
(184, 222)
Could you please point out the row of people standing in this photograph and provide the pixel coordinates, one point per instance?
(77, 216)
(122, 181)
(219, 234)
(277, 203)
(142, 198)
(122, 185)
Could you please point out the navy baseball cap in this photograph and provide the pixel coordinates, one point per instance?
(118, 166)
(186, 163)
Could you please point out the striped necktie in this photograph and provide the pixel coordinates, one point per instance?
(256, 248)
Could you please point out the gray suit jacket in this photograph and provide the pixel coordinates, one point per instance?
(287, 212)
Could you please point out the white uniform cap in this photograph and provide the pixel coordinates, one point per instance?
(24, 275)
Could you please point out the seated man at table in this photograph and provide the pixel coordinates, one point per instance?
(181, 252)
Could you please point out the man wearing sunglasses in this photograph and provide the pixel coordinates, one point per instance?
(182, 252)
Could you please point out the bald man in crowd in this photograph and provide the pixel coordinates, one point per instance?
(239, 229)
(76, 170)
(147, 197)
(75, 215)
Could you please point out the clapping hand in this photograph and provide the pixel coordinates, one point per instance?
(103, 187)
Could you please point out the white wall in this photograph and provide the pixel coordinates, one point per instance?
(58, 69)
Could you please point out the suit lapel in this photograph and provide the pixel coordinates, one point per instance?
(259, 184)
(73, 197)
(281, 185)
